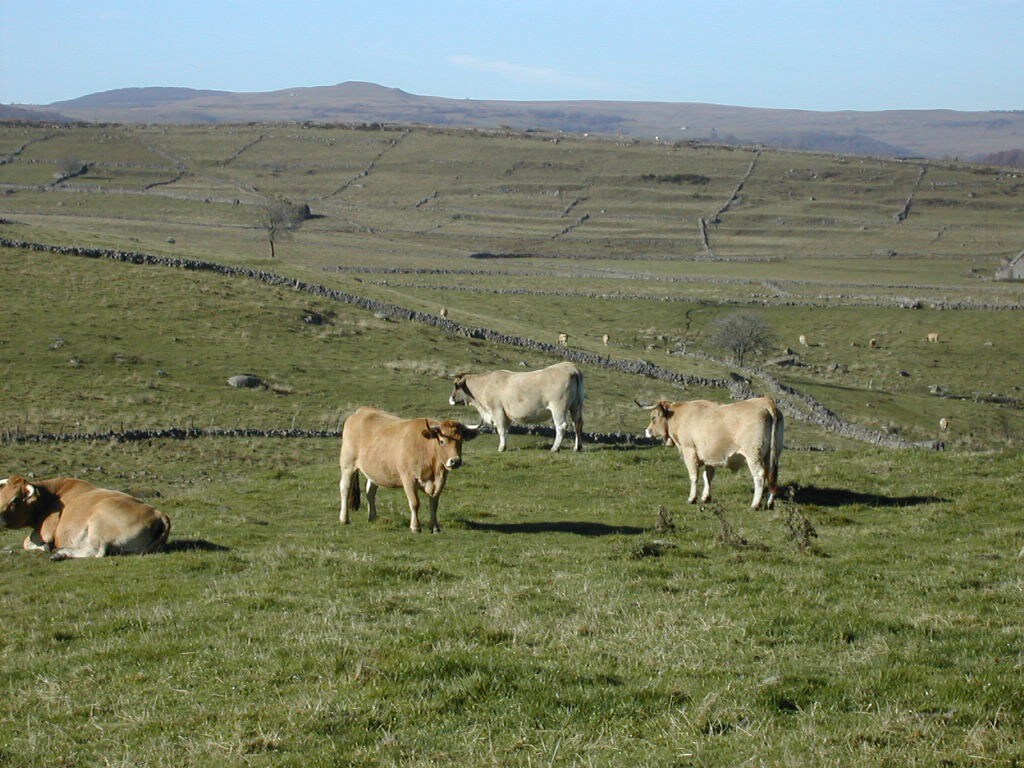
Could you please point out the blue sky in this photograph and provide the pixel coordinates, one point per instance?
(902, 54)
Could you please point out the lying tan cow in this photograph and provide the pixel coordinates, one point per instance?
(710, 435)
(398, 453)
(73, 518)
(503, 398)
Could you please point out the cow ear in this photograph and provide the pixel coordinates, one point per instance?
(431, 433)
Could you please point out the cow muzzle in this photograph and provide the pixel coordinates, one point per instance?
(453, 463)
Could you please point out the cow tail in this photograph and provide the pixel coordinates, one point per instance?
(353, 492)
(577, 402)
(160, 539)
(775, 448)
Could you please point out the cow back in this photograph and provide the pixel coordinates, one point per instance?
(526, 395)
(718, 431)
(383, 445)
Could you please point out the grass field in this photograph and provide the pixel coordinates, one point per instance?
(874, 618)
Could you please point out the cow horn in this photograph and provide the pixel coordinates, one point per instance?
(645, 407)
(3, 482)
(31, 491)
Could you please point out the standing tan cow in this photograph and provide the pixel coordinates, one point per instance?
(503, 398)
(398, 453)
(933, 337)
(710, 435)
(73, 518)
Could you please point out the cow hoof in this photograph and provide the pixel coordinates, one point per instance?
(59, 556)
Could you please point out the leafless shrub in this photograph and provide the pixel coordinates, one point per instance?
(279, 218)
(742, 334)
(728, 535)
(799, 529)
(664, 524)
(70, 166)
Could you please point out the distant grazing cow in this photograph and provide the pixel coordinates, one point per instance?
(873, 342)
(604, 339)
(710, 435)
(802, 340)
(398, 453)
(503, 398)
(944, 424)
(444, 311)
(73, 518)
(933, 337)
(563, 339)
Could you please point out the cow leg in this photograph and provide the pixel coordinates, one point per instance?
(693, 470)
(371, 499)
(34, 542)
(89, 544)
(414, 504)
(501, 426)
(343, 489)
(434, 527)
(89, 550)
(559, 431)
(577, 427)
(758, 473)
(709, 475)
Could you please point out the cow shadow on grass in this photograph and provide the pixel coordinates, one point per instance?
(584, 528)
(193, 545)
(843, 497)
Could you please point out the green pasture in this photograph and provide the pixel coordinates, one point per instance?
(549, 623)
(873, 618)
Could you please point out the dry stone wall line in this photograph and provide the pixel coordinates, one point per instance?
(717, 216)
(779, 295)
(818, 302)
(705, 243)
(193, 433)
(242, 149)
(390, 145)
(904, 212)
(738, 387)
(579, 222)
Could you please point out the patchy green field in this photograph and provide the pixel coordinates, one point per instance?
(875, 618)
(541, 626)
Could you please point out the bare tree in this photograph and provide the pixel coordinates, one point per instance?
(70, 166)
(741, 334)
(280, 218)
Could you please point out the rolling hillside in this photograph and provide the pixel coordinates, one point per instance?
(531, 234)
(928, 133)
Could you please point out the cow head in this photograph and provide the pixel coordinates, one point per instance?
(18, 497)
(449, 437)
(461, 394)
(661, 413)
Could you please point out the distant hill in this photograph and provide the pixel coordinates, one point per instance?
(30, 114)
(133, 98)
(1012, 157)
(927, 133)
